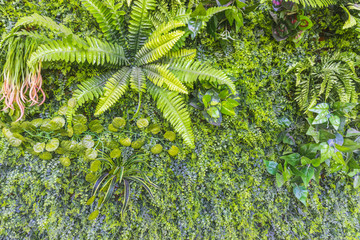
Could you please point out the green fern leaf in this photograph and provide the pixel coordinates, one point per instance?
(97, 53)
(158, 47)
(159, 75)
(316, 3)
(138, 80)
(174, 110)
(140, 25)
(165, 28)
(114, 89)
(182, 53)
(104, 16)
(91, 89)
(188, 71)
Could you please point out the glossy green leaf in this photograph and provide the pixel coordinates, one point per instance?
(52, 145)
(142, 123)
(271, 167)
(292, 159)
(301, 193)
(39, 147)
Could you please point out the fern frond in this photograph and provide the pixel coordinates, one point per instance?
(97, 53)
(188, 71)
(174, 110)
(158, 47)
(160, 74)
(212, 11)
(140, 25)
(182, 53)
(165, 28)
(104, 16)
(91, 88)
(37, 20)
(316, 3)
(114, 89)
(138, 80)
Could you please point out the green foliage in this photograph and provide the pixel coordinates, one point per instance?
(146, 58)
(332, 151)
(119, 172)
(333, 78)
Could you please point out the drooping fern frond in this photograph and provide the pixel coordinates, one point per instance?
(138, 80)
(174, 110)
(37, 20)
(105, 18)
(160, 75)
(315, 3)
(96, 53)
(140, 25)
(157, 47)
(165, 28)
(114, 89)
(188, 71)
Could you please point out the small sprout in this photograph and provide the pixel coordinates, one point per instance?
(91, 200)
(142, 123)
(126, 142)
(173, 151)
(65, 161)
(93, 215)
(157, 149)
(170, 135)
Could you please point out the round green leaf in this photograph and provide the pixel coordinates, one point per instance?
(90, 154)
(170, 135)
(126, 142)
(39, 147)
(87, 141)
(173, 151)
(142, 123)
(119, 122)
(95, 165)
(79, 119)
(90, 177)
(91, 200)
(115, 153)
(71, 103)
(111, 128)
(79, 128)
(154, 128)
(52, 145)
(137, 144)
(59, 122)
(65, 161)
(63, 110)
(157, 149)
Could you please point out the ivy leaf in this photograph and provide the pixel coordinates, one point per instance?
(279, 180)
(305, 161)
(206, 100)
(194, 27)
(351, 132)
(348, 146)
(292, 159)
(301, 193)
(338, 157)
(312, 132)
(199, 11)
(326, 152)
(306, 174)
(325, 135)
(335, 121)
(271, 167)
(322, 110)
(213, 112)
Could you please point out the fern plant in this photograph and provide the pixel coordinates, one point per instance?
(333, 79)
(313, 3)
(145, 58)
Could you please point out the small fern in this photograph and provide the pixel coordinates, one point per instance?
(316, 3)
(332, 78)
